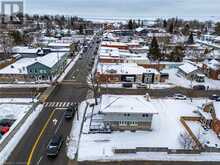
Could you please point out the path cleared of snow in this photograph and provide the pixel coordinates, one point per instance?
(73, 140)
(24, 85)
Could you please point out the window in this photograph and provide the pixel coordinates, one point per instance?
(145, 115)
(126, 114)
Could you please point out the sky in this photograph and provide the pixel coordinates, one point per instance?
(126, 8)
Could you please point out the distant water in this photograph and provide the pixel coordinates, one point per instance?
(124, 9)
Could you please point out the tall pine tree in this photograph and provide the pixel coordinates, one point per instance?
(154, 51)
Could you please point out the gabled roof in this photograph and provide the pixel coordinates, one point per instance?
(127, 104)
(188, 68)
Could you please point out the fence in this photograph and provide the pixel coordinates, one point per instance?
(156, 149)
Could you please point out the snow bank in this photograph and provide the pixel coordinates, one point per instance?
(73, 140)
(5, 153)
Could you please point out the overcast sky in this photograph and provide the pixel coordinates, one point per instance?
(125, 8)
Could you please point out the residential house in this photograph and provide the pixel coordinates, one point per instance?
(212, 69)
(44, 68)
(123, 112)
(188, 70)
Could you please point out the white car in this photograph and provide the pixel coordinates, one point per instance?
(180, 97)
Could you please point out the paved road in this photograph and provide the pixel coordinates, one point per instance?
(157, 93)
(32, 148)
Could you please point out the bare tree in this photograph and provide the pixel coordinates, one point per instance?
(94, 86)
(6, 44)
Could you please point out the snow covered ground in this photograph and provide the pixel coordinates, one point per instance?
(24, 85)
(166, 129)
(73, 140)
(183, 82)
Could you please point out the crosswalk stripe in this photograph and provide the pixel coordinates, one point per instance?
(64, 104)
(58, 104)
(46, 104)
(67, 104)
(52, 104)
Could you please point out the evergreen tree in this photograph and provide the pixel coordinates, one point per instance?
(81, 29)
(217, 28)
(130, 24)
(190, 39)
(154, 51)
(164, 24)
(17, 37)
(171, 28)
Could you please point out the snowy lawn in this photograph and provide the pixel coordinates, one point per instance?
(166, 129)
(183, 82)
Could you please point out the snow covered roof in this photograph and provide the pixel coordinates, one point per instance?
(126, 104)
(20, 66)
(213, 64)
(24, 50)
(107, 51)
(188, 68)
(139, 29)
(122, 68)
(59, 44)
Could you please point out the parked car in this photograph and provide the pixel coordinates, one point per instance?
(54, 145)
(141, 86)
(179, 96)
(199, 87)
(69, 113)
(214, 97)
(218, 99)
(4, 130)
(7, 122)
(127, 85)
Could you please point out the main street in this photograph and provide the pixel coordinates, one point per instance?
(32, 148)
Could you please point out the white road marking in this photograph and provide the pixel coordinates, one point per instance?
(38, 162)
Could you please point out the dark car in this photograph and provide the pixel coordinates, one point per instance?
(199, 87)
(69, 113)
(127, 85)
(214, 97)
(218, 99)
(54, 145)
(7, 122)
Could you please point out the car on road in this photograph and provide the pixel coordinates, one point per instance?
(69, 113)
(199, 87)
(179, 96)
(54, 145)
(141, 86)
(214, 97)
(127, 85)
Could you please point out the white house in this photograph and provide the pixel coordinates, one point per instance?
(125, 112)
